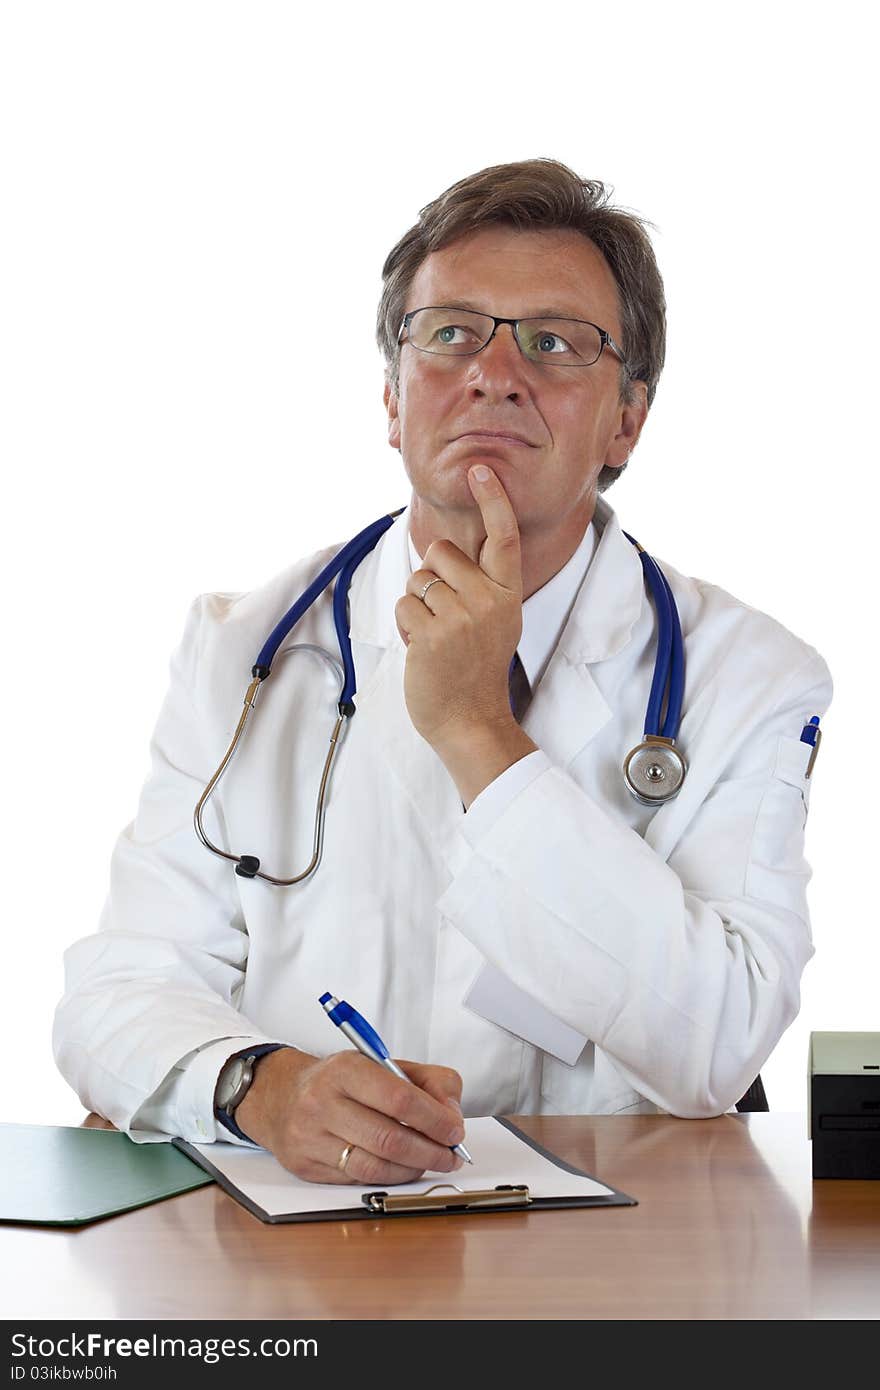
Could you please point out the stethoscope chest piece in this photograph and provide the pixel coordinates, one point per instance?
(654, 770)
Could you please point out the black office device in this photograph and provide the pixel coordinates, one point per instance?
(845, 1104)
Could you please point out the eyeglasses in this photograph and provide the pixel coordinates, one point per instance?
(462, 332)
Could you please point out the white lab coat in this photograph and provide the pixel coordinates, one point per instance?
(671, 939)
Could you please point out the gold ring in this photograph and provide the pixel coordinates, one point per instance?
(345, 1156)
(435, 580)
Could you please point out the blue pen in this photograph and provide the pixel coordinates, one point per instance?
(367, 1040)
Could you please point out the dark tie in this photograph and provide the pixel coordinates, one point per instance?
(520, 690)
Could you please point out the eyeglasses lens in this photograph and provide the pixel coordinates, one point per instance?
(460, 333)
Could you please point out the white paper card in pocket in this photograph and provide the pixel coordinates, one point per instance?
(498, 1000)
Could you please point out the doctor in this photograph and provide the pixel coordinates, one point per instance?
(490, 895)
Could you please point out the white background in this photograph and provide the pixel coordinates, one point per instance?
(196, 197)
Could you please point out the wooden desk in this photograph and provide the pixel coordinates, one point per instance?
(729, 1225)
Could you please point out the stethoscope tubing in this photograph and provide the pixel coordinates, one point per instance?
(342, 623)
(670, 652)
(248, 866)
(355, 550)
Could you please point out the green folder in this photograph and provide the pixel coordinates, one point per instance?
(53, 1175)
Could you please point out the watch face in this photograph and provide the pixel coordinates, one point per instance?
(230, 1080)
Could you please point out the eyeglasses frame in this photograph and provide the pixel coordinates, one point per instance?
(605, 337)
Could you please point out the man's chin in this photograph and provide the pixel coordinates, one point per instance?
(444, 484)
(454, 500)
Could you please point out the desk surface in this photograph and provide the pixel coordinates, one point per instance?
(729, 1225)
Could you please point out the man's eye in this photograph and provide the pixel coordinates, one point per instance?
(447, 334)
(551, 342)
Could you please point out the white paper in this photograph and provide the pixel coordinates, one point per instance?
(499, 1157)
(497, 999)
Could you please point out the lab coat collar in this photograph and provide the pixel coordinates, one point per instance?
(609, 600)
(601, 621)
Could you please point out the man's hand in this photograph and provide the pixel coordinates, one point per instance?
(460, 642)
(306, 1109)
(461, 638)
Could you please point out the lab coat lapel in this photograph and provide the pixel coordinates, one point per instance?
(378, 582)
(568, 708)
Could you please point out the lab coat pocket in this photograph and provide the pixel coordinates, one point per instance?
(792, 761)
(777, 871)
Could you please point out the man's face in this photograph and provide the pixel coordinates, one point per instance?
(571, 418)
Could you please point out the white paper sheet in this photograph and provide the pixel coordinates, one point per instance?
(499, 1157)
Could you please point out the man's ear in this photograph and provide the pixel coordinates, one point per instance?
(389, 396)
(632, 419)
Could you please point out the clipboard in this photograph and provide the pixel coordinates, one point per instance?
(512, 1172)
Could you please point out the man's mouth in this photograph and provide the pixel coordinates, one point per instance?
(499, 436)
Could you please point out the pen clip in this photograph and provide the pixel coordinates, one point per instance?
(818, 740)
(505, 1195)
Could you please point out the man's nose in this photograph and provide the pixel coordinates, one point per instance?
(498, 370)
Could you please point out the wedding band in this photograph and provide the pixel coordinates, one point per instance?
(435, 580)
(345, 1156)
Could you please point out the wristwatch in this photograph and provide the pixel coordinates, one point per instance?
(233, 1084)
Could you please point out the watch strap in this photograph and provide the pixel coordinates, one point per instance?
(226, 1120)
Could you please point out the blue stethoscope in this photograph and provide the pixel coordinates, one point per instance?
(654, 770)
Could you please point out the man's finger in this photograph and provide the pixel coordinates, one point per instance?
(362, 1170)
(361, 1080)
(442, 1083)
(412, 617)
(378, 1134)
(500, 556)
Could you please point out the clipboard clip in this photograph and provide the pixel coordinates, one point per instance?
(505, 1195)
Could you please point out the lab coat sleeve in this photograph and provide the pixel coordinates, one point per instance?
(685, 971)
(493, 800)
(148, 1015)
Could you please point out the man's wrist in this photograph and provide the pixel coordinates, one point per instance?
(258, 1110)
(474, 755)
(236, 1078)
